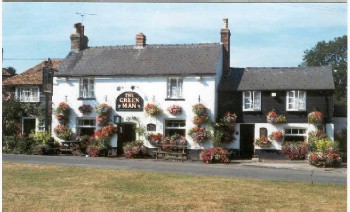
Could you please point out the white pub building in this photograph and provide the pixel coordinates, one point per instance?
(129, 77)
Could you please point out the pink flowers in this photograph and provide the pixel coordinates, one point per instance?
(315, 117)
(215, 154)
(175, 109)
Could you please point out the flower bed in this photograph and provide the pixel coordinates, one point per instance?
(152, 110)
(295, 150)
(263, 142)
(215, 154)
(134, 149)
(175, 110)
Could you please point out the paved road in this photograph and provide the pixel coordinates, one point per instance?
(235, 170)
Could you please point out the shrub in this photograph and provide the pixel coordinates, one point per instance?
(215, 154)
(42, 137)
(43, 149)
(9, 143)
(25, 145)
(134, 149)
(295, 150)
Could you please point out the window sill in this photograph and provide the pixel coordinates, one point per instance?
(170, 99)
(251, 110)
(81, 98)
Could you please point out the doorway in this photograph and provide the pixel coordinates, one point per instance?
(126, 134)
(246, 141)
(28, 126)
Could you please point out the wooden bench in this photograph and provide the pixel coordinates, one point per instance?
(174, 152)
(71, 147)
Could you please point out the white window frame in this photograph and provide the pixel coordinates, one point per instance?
(296, 99)
(85, 126)
(166, 127)
(178, 92)
(40, 125)
(87, 87)
(251, 100)
(295, 131)
(28, 94)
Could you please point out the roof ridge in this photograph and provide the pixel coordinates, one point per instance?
(157, 45)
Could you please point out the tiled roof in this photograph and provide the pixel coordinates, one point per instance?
(32, 76)
(304, 78)
(5, 72)
(142, 61)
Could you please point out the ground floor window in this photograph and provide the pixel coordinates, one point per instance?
(41, 124)
(294, 134)
(175, 126)
(86, 126)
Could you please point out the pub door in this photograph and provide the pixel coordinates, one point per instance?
(246, 141)
(126, 134)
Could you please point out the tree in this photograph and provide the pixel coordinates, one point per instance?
(11, 70)
(333, 53)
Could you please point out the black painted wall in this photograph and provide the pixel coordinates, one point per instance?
(232, 101)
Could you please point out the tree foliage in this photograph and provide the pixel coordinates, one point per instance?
(333, 53)
(11, 70)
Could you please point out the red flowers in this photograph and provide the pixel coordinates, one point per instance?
(315, 117)
(108, 130)
(215, 154)
(152, 110)
(278, 136)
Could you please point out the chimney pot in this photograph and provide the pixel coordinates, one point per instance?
(225, 23)
(141, 40)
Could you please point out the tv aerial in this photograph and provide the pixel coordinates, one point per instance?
(84, 14)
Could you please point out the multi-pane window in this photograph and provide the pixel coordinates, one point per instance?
(175, 87)
(41, 125)
(294, 134)
(87, 88)
(28, 94)
(86, 126)
(251, 100)
(296, 100)
(175, 126)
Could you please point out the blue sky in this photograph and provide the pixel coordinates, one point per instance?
(262, 35)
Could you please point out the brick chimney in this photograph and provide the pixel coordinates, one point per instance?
(79, 41)
(141, 40)
(225, 41)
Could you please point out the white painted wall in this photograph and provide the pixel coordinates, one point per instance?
(151, 89)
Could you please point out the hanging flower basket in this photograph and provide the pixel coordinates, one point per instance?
(198, 120)
(152, 110)
(175, 110)
(62, 112)
(199, 134)
(103, 114)
(315, 117)
(263, 142)
(199, 109)
(230, 118)
(274, 118)
(277, 136)
(85, 109)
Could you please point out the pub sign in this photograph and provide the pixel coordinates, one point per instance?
(129, 101)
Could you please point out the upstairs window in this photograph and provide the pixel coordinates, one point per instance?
(251, 100)
(296, 100)
(175, 88)
(28, 94)
(87, 88)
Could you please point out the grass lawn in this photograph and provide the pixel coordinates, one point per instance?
(28, 186)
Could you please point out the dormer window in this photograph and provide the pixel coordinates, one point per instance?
(87, 88)
(296, 100)
(251, 100)
(175, 88)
